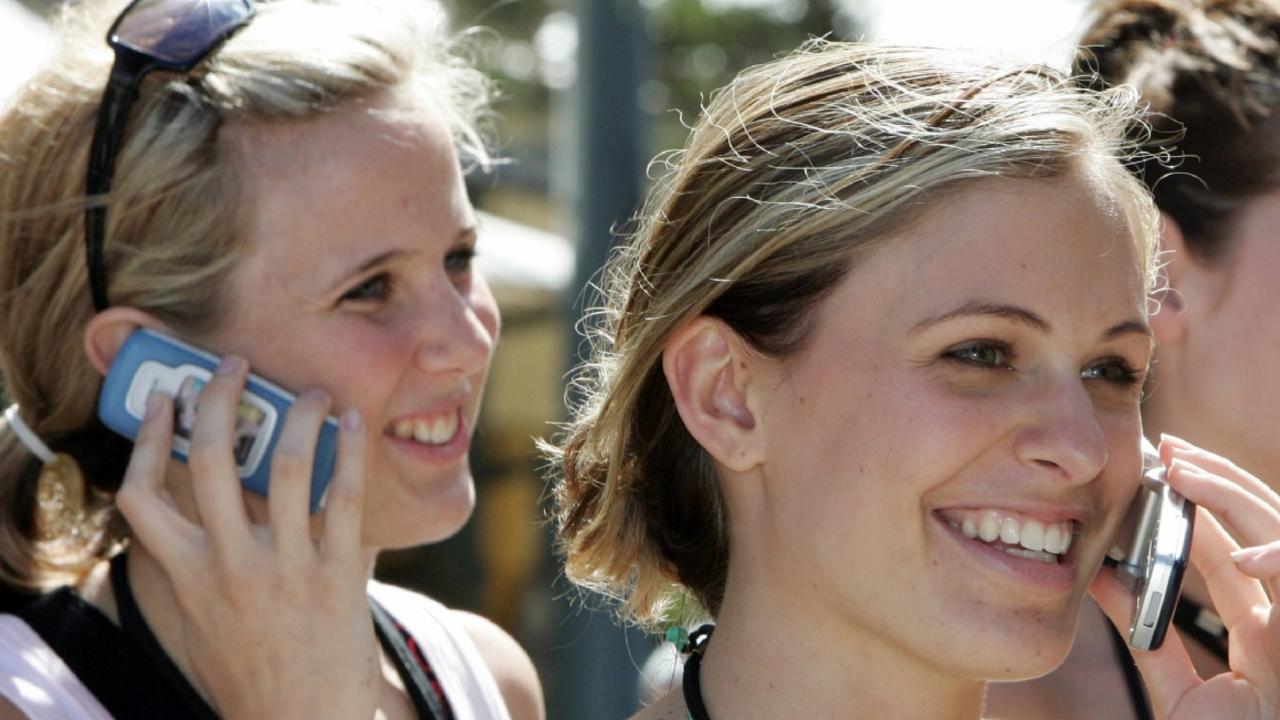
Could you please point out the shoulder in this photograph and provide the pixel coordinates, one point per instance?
(9, 711)
(467, 640)
(509, 663)
(670, 707)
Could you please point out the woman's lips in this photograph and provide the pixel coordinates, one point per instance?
(430, 429)
(432, 437)
(1050, 573)
(1040, 537)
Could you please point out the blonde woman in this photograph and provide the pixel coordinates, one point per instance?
(280, 184)
(866, 386)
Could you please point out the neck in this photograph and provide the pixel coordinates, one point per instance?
(774, 655)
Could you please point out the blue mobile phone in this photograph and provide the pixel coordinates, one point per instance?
(150, 361)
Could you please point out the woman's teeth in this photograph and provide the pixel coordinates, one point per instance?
(1022, 537)
(436, 431)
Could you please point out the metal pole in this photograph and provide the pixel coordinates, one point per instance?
(595, 661)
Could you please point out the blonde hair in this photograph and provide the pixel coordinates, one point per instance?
(796, 169)
(174, 212)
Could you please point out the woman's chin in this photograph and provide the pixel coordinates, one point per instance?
(1012, 662)
(421, 515)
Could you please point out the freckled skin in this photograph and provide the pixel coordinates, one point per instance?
(888, 432)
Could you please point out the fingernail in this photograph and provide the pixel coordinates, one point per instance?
(351, 420)
(154, 401)
(1249, 553)
(1174, 440)
(316, 395)
(230, 365)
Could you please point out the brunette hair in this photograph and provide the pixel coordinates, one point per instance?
(1210, 70)
(174, 220)
(793, 172)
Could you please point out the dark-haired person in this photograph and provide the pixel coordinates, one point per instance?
(1210, 70)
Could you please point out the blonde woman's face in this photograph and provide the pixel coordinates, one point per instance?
(358, 280)
(966, 408)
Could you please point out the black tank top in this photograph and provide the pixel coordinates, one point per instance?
(129, 673)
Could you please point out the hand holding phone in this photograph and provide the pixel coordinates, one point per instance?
(153, 362)
(1151, 552)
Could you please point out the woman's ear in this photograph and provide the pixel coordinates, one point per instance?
(711, 378)
(1169, 321)
(107, 331)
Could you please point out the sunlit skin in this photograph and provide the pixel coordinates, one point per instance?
(355, 290)
(990, 357)
(359, 282)
(1214, 382)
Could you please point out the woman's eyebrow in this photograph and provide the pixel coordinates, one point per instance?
(1130, 327)
(988, 309)
(367, 265)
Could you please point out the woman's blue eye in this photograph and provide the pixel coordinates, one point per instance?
(984, 354)
(459, 260)
(375, 289)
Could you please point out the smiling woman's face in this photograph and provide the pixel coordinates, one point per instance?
(977, 377)
(358, 280)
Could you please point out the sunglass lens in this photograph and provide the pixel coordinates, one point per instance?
(179, 32)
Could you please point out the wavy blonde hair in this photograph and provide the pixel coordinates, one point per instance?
(174, 213)
(796, 170)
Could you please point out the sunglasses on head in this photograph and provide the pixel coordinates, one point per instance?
(169, 35)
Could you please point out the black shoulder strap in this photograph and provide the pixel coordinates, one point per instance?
(161, 667)
(109, 663)
(415, 679)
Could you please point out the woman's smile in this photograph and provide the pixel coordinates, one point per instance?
(972, 431)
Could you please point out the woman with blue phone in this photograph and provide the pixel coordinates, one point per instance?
(222, 187)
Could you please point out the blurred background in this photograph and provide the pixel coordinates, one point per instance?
(590, 91)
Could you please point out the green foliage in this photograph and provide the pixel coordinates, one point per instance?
(696, 46)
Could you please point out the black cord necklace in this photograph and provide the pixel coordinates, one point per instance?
(694, 646)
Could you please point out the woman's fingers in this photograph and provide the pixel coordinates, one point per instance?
(214, 478)
(1234, 595)
(1218, 465)
(155, 522)
(1168, 672)
(344, 503)
(1260, 561)
(1250, 519)
(289, 492)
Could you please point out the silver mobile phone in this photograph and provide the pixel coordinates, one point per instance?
(1151, 552)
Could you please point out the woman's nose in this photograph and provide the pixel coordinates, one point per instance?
(1063, 435)
(459, 331)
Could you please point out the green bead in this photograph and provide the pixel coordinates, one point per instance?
(679, 637)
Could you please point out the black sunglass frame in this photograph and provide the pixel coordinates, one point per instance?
(131, 66)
